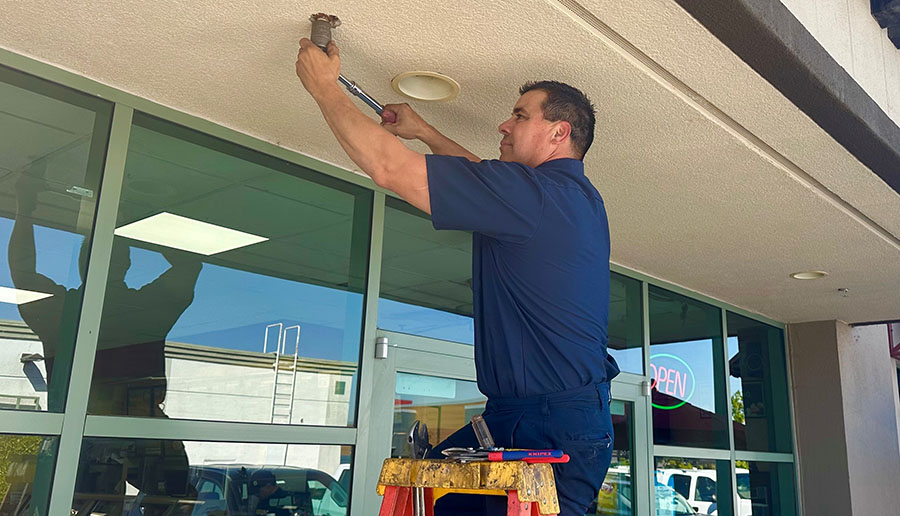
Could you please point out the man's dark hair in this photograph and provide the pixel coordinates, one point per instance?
(564, 102)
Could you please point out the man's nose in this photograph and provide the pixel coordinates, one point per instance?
(504, 128)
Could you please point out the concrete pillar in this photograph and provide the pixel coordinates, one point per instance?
(845, 417)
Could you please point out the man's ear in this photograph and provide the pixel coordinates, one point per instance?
(561, 132)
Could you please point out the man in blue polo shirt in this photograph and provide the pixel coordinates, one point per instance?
(540, 265)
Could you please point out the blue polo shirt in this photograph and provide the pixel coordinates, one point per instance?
(540, 271)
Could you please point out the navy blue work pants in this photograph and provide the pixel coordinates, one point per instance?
(576, 421)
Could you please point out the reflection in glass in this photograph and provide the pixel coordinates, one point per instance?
(686, 369)
(765, 489)
(758, 386)
(616, 496)
(692, 486)
(626, 325)
(235, 287)
(26, 472)
(444, 404)
(150, 476)
(426, 277)
(52, 144)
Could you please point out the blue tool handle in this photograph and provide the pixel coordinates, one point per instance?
(525, 454)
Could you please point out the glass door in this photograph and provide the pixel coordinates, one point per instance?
(434, 381)
(626, 489)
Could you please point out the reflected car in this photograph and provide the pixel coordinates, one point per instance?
(229, 490)
(616, 497)
(232, 490)
(699, 488)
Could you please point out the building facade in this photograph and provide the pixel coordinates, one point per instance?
(186, 309)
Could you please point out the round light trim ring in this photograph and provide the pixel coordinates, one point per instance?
(424, 85)
(809, 275)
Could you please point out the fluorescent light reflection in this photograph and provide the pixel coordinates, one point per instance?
(175, 231)
(18, 296)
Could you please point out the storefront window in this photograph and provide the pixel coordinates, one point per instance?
(235, 287)
(52, 148)
(757, 377)
(693, 486)
(765, 489)
(686, 369)
(151, 476)
(626, 338)
(426, 277)
(26, 473)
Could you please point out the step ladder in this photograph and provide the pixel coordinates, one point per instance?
(285, 372)
(530, 488)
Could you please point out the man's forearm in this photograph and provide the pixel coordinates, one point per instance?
(368, 144)
(440, 144)
(21, 253)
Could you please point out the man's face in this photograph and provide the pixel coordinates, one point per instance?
(526, 134)
(267, 490)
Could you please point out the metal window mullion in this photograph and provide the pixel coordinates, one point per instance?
(649, 492)
(691, 453)
(69, 449)
(29, 422)
(215, 431)
(735, 500)
(764, 456)
(793, 426)
(364, 396)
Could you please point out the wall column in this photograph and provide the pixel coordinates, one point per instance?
(845, 416)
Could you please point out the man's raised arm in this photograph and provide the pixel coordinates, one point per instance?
(376, 151)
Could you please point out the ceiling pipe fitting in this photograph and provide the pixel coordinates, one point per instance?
(321, 28)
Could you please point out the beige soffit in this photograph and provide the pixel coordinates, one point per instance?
(713, 180)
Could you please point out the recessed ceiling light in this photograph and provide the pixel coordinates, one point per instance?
(18, 296)
(191, 235)
(423, 85)
(809, 275)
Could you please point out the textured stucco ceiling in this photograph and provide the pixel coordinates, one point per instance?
(712, 179)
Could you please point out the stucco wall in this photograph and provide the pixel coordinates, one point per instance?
(849, 32)
(819, 418)
(868, 379)
(846, 418)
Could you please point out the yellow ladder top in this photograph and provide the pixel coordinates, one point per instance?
(534, 482)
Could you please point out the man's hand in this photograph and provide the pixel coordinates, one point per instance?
(410, 125)
(317, 70)
(407, 124)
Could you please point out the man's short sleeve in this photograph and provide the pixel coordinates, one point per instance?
(500, 199)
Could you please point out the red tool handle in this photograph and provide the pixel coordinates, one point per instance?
(524, 455)
(552, 460)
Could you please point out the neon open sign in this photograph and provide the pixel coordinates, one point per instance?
(673, 376)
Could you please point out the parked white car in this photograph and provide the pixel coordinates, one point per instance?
(698, 487)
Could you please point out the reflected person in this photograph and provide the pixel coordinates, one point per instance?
(129, 376)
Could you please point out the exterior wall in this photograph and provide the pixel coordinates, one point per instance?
(868, 382)
(819, 418)
(849, 32)
(896, 389)
(24, 385)
(846, 415)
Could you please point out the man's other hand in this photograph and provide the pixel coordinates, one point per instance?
(407, 123)
(317, 70)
